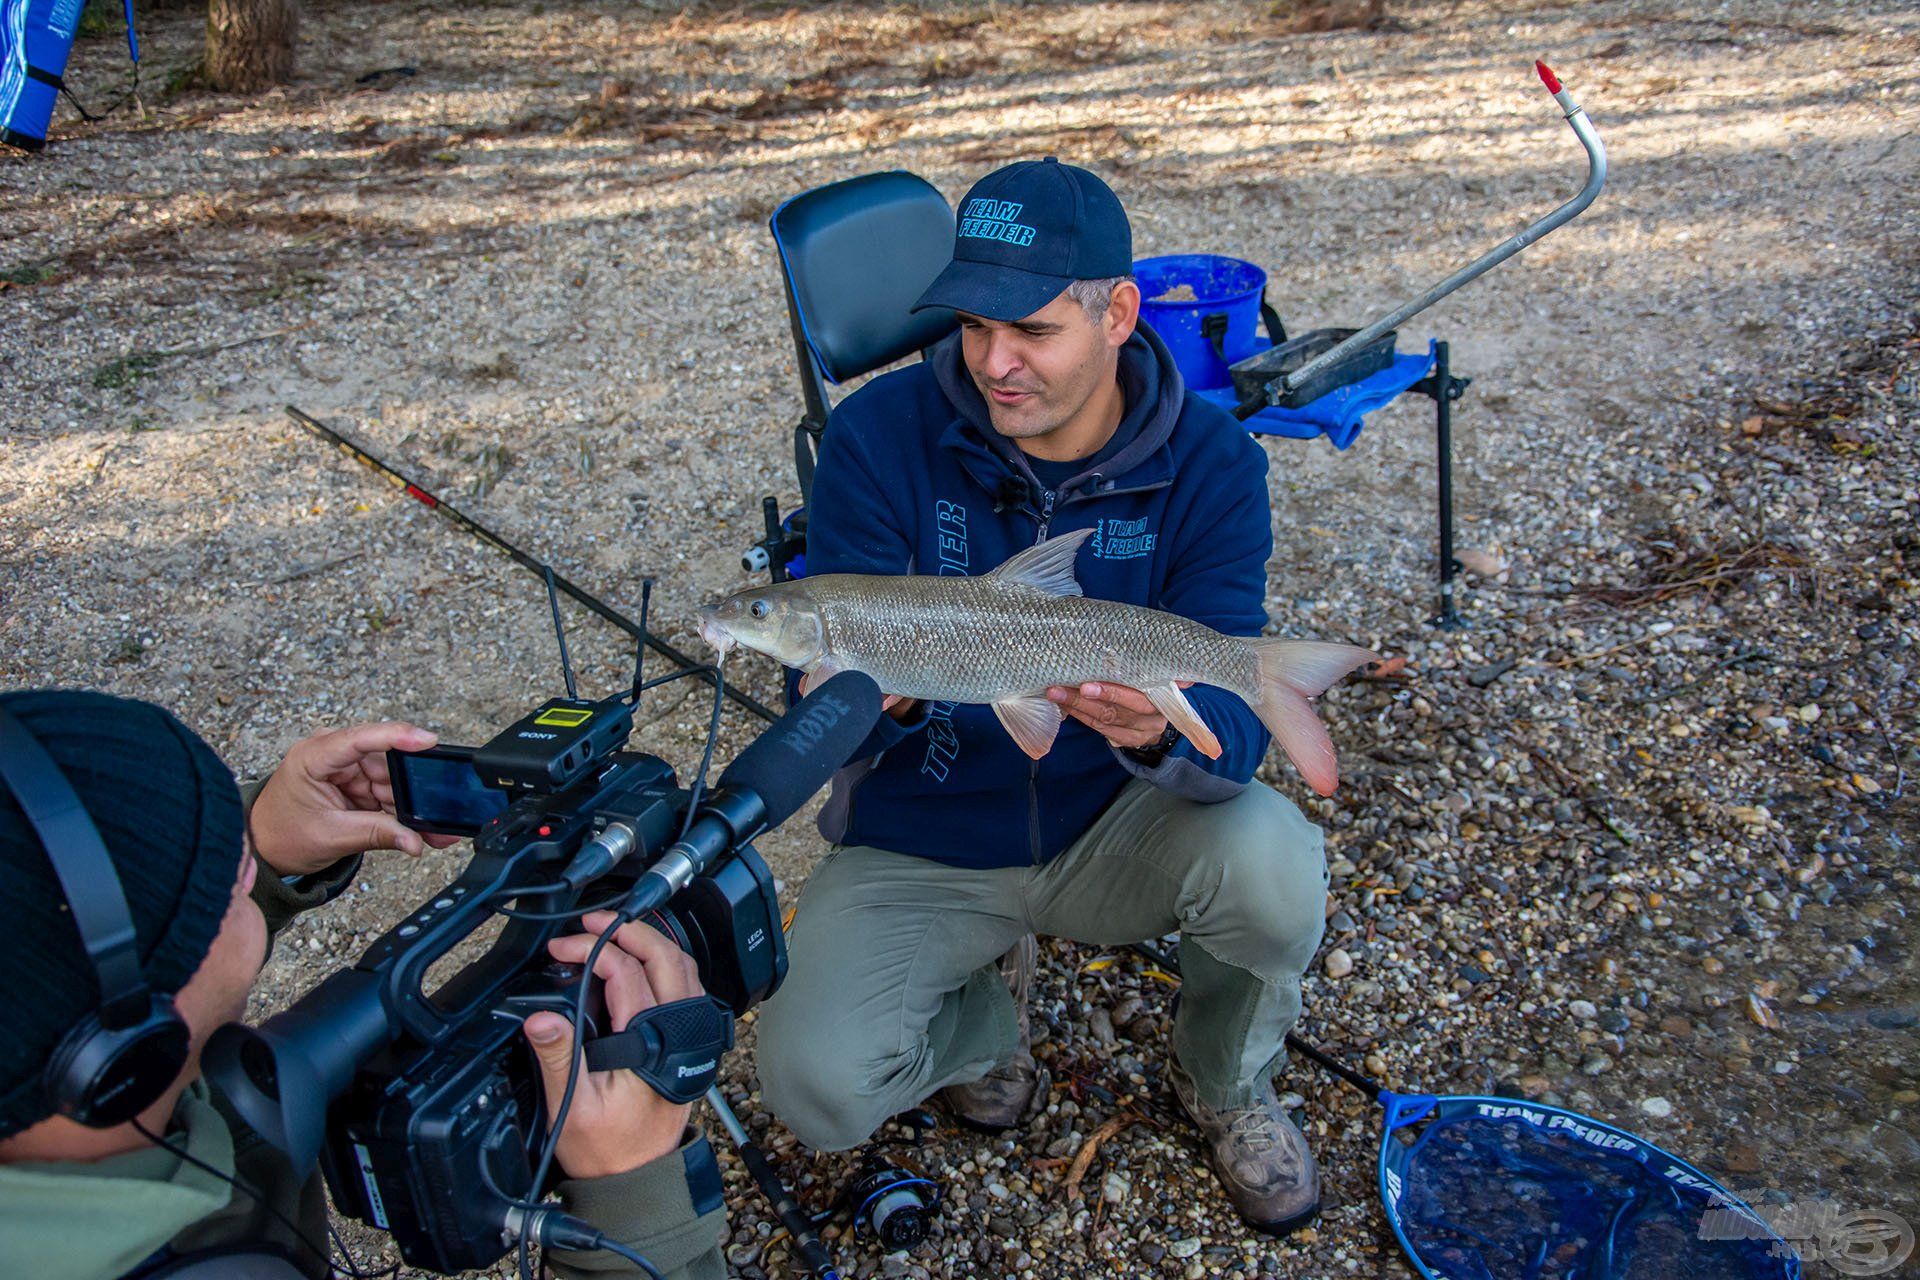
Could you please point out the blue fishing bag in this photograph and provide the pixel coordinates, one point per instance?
(35, 38)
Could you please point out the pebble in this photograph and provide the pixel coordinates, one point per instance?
(1184, 1248)
(1658, 1108)
(1338, 963)
(1582, 1009)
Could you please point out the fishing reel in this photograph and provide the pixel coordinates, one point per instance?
(892, 1205)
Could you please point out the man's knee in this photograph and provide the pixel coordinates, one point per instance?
(1267, 868)
(810, 1078)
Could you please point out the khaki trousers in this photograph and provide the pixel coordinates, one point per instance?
(893, 992)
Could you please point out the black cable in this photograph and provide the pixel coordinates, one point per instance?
(528, 890)
(552, 1142)
(559, 1121)
(340, 1243)
(548, 917)
(326, 1258)
(615, 1247)
(706, 757)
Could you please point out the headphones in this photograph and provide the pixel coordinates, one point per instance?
(118, 1060)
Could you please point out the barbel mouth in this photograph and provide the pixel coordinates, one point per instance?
(716, 635)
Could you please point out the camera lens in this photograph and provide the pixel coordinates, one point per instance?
(685, 931)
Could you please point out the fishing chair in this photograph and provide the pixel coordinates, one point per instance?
(855, 256)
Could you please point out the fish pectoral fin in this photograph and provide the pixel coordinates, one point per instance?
(1033, 721)
(818, 674)
(1173, 704)
(1046, 566)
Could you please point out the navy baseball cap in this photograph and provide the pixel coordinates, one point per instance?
(1024, 234)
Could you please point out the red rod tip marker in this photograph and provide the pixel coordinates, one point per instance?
(1547, 77)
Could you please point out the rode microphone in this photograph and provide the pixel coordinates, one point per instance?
(764, 786)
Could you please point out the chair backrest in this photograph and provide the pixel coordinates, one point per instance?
(856, 255)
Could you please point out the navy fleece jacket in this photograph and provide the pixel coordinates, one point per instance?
(913, 479)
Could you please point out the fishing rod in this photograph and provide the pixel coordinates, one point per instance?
(440, 507)
(1280, 388)
(806, 1240)
(1171, 964)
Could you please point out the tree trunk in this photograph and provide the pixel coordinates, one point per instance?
(250, 43)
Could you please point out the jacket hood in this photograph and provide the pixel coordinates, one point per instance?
(106, 1217)
(1149, 381)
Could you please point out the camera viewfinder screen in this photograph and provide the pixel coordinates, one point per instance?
(447, 795)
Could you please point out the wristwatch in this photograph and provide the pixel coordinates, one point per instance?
(1152, 755)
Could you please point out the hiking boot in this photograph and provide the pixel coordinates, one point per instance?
(1005, 1096)
(1259, 1157)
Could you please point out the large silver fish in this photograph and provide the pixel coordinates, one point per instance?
(1004, 637)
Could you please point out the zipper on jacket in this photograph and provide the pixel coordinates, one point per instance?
(1033, 811)
(1033, 767)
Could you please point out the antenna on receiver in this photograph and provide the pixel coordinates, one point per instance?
(640, 647)
(559, 632)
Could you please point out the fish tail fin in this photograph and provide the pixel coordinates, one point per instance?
(1291, 672)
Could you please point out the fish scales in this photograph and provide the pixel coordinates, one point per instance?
(979, 640)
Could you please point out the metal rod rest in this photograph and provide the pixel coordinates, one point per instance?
(1596, 179)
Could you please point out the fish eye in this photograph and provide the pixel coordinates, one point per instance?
(759, 608)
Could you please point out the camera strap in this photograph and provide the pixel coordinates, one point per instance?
(674, 1047)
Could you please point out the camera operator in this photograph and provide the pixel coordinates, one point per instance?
(210, 872)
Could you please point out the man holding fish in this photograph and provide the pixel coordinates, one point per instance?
(1039, 518)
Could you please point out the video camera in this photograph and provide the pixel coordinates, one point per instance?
(424, 1107)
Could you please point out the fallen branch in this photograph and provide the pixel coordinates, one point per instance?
(1091, 1147)
(1579, 658)
(307, 571)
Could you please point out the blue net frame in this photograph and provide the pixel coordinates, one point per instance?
(1483, 1188)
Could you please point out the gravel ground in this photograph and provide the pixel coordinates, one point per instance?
(1639, 841)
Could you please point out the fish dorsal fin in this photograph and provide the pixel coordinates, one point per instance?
(1047, 566)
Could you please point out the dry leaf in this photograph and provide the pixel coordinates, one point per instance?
(1482, 564)
(1762, 1012)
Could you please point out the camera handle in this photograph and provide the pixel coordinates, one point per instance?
(674, 1047)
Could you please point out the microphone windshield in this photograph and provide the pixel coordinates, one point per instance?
(799, 752)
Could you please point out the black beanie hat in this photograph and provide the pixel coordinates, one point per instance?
(169, 814)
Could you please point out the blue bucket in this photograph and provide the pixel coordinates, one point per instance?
(1213, 285)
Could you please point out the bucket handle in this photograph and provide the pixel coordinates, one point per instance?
(1213, 327)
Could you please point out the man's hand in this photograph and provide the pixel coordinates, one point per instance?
(617, 1122)
(893, 704)
(331, 798)
(1121, 715)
